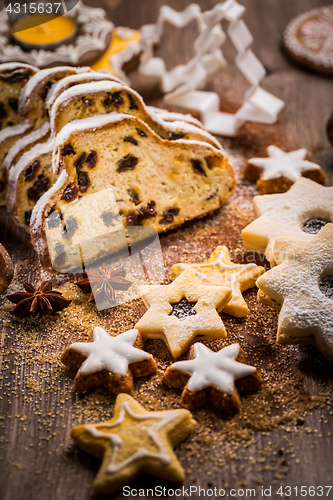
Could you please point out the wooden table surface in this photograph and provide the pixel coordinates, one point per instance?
(37, 460)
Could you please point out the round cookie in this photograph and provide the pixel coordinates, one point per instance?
(93, 38)
(6, 269)
(308, 39)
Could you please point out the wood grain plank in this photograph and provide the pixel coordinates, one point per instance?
(38, 404)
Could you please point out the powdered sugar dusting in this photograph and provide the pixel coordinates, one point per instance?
(307, 313)
(283, 215)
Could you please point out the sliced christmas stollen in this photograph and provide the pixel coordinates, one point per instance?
(42, 134)
(20, 197)
(85, 99)
(156, 182)
(28, 180)
(13, 77)
(32, 110)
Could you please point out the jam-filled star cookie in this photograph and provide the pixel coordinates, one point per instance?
(110, 362)
(214, 378)
(278, 172)
(219, 270)
(135, 442)
(301, 286)
(182, 311)
(299, 214)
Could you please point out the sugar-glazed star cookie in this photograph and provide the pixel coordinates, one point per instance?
(183, 310)
(218, 270)
(135, 442)
(214, 378)
(301, 285)
(277, 172)
(300, 214)
(108, 361)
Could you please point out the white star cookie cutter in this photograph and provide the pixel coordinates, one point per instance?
(108, 361)
(219, 270)
(301, 287)
(179, 328)
(181, 83)
(215, 373)
(135, 442)
(299, 214)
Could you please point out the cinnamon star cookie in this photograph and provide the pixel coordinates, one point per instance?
(108, 361)
(135, 442)
(182, 311)
(213, 377)
(300, 214)
(301, 286)
(278, 172)
(219, 270)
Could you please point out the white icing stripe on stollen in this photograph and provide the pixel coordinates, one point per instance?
(84, 89)
(63, 84)
(42, 75)
(223, 267)
(171, 116)
(214, 369)
(279, 163)
(162, 454)
(110, 353)
(26, 159)
(8, 132)
(13, 65)
(100, 121)
(91, 123)
(106, 86)
(23, 142)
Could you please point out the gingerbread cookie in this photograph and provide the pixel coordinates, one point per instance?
(108, 361)
(302, 287)
(300, 213)
(6, 269)
(135, 442)
(183, 310)
(214, 378)
(308, 39)
(218, 270)
(278, 172)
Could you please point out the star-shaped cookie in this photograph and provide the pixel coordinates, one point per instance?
(213, 377)
(108, 361)
(135, 442)
(174, 320)
(218, 270)
(301, 286)
(277, 172)
(300, 213)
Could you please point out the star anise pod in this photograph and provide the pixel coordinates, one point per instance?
(43, 300)
(103, 282)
